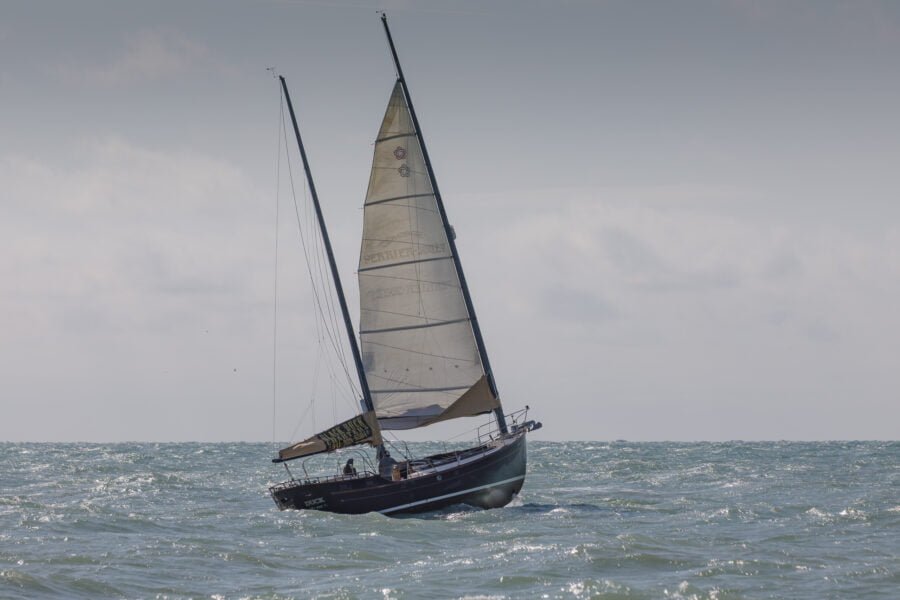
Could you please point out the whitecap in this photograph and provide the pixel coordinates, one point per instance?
(819, 514)
(734, 484)
(852, 513)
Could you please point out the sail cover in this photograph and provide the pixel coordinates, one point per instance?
(419, 352)
(361, 429)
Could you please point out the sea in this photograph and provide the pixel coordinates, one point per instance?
(616, 519)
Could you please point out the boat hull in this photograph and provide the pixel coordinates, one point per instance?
(490, 480)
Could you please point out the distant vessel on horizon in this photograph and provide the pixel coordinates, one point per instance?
(421, 358)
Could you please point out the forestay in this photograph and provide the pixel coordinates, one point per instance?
(419, 352)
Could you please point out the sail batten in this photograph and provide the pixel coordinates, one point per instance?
(416, 332)
(432, 282)
(413, 390)
(382, 200)
(409, 262)
(443, 356)
(408, 327)
(395, 136)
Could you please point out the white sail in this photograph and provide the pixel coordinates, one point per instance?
(419, 352)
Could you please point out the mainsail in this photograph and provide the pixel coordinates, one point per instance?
(419, 351)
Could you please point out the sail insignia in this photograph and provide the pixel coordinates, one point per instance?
(419, 352)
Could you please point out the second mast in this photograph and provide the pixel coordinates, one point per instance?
(354, 345)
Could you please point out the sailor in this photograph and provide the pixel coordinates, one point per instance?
(349, 469)
(386, 464)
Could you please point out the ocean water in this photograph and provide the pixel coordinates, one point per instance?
(594, 520)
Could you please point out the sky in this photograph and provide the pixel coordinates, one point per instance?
(679, 221)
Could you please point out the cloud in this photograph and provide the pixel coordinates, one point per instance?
(147, 55)
(141, 287)
(641, 297)
(869, 21)
(128, 228)
(580, 306)
(123, 263)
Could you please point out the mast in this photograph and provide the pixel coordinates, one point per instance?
(354, 346)
(476, 328)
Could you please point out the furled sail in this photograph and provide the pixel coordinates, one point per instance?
(361, 429)
(419, 352)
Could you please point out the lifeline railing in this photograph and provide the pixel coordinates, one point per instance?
(490, 431)
(486, 437)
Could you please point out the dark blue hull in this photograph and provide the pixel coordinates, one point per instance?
(487, 477)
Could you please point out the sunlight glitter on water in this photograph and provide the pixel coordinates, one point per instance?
(594, 520)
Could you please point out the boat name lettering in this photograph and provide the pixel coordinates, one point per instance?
(408, 253)
(413, 288)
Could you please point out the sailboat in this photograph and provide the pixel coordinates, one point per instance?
(421, 357)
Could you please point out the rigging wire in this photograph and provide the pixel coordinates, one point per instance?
(306, 255)
(282, 137)
(312, 396)
(328, 284)
(324, 273)
(320, 305)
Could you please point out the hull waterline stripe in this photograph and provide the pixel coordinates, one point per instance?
(445, 496)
